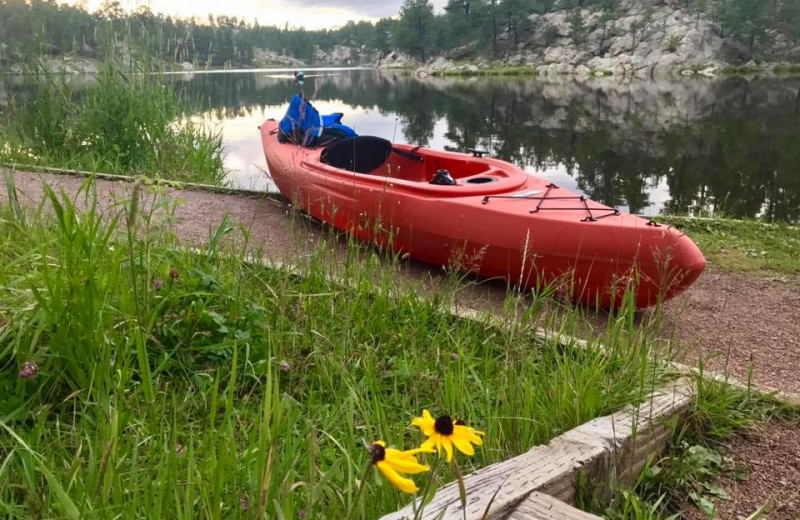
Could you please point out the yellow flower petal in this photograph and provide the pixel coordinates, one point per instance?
(429, 445)
(426, 423)
(409, 454)
(415, 452)
(404, 462)
(409, 467)
(463, 445)
(465, 432)
(448, 447)
(380, 443)
(406, 485)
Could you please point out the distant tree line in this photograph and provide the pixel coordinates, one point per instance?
(488, 27)
(46, 28)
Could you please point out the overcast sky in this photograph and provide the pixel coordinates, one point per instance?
(312, 14)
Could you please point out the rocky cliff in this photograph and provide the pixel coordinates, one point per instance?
(647, 38)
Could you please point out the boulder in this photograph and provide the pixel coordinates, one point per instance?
(267, 57)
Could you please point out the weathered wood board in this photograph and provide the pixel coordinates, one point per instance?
(539, 506)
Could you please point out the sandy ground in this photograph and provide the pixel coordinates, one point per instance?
(729, 319)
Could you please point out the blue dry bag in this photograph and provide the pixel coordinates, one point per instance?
(303, 125)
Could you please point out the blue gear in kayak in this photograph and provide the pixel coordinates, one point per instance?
(303, 125)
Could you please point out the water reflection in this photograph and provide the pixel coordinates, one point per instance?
(730, 145)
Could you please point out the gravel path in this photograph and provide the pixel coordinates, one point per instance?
(771, 455)
(730, 319)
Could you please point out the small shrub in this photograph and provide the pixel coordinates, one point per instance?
(674, 43)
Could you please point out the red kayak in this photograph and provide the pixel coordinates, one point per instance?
(487, 216)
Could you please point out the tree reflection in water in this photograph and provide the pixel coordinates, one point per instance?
(729, 145)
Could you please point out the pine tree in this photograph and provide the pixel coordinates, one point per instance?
(414, 29)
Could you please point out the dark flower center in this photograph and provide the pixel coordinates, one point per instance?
(444, 425)
(377, 452)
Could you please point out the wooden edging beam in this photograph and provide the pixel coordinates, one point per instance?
(539, 506)
(178, 185)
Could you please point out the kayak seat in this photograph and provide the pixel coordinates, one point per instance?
(361, 154)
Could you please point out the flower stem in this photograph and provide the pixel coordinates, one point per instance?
(360, 490)
(427, 489)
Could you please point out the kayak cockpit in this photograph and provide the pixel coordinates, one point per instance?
(375, 158)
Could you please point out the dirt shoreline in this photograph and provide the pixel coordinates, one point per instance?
(729, 319)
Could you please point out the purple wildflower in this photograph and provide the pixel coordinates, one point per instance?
(30, 370)
(158, 284)
(285, 367)
(301, 513)
(454, 356)
(245, 503)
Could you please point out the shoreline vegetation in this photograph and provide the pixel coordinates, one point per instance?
(58, 66)
(126, 122)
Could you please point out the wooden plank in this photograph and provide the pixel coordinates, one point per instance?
(539, 506)
(178, 185)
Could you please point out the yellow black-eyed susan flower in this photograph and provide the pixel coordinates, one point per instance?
(392, 463)
(444, 433)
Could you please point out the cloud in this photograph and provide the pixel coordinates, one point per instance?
(359, 8)
(312, 14)
(364, 8)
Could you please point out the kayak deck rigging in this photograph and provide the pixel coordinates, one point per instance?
(591, 213)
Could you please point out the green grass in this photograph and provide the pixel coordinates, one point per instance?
(127, 123)
(744, 245)
(787, 69)
(742, 70)
(183, 384)
(491, 71)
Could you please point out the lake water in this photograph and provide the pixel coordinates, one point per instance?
(727, 145)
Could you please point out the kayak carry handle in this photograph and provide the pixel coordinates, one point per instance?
(409, 155)
(477, 153)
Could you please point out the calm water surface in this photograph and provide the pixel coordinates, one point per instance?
(727, 145)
